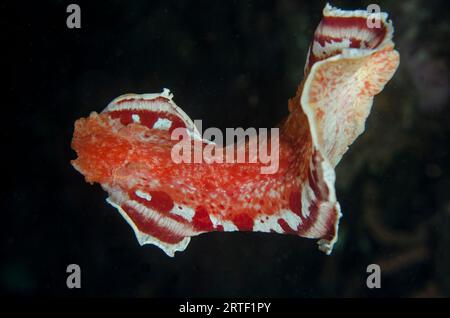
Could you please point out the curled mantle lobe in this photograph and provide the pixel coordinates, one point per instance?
(127, 149)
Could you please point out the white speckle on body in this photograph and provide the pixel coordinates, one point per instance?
(162, 123)
(136, 118)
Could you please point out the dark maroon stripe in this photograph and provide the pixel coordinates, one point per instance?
(201, 220)
(161, 202)
(308, 222)
(286, 228)
(243, 222)
(150, 227)
(359, 22)
(147, 117)
(131, 100)
(329, 224)
(314, 186)
(295, 202)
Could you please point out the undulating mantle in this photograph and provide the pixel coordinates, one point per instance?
(127, 148)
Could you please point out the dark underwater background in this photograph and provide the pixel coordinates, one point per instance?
(229, 63)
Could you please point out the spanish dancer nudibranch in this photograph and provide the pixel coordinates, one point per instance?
(127, 148)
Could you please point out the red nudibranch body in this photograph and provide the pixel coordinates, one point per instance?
(127, 148)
